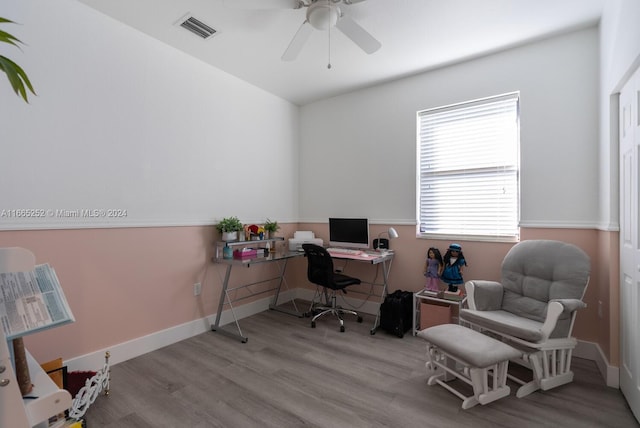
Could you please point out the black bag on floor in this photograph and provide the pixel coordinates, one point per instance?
(396, 312)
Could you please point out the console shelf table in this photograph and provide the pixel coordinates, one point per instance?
(279, 257)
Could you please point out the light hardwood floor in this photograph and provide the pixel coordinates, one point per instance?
(290, 375)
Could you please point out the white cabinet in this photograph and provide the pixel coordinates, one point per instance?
(16, 412)
(46, 399)
(51, 399)
(12, 410)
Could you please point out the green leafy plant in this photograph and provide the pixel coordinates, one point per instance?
(16, 75)
(229, 224)
(271, 226)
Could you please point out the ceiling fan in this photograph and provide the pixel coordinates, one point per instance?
(321, 15)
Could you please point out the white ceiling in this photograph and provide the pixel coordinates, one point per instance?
(416, 35)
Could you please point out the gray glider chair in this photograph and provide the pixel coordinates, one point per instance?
(534, 308)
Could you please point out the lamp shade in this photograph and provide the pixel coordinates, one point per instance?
(383, 243)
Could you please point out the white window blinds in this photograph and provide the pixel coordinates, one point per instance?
(469, 169)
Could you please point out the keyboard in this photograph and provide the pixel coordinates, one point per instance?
(348, 251)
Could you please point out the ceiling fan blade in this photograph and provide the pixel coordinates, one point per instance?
(358, 35)
(352, 1)
(298, 42)
(263, 4)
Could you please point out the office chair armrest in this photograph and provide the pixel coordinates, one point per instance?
(484, 295)
(570, 305)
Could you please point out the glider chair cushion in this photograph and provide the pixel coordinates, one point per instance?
(542, 286)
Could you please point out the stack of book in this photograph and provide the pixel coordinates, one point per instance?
(449, 295)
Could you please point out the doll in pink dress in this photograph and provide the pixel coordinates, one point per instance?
(433, 269)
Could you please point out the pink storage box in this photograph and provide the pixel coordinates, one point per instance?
(244, 254)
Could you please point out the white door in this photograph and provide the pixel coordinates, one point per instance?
(630, 242)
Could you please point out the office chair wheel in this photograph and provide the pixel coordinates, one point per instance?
(313, 324)
(341, 329)
(359, 318)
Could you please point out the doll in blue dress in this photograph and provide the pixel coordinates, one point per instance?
(454, 264)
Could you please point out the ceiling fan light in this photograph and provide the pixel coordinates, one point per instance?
(322, 16)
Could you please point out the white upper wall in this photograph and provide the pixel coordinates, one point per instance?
(359, 149)
(620, 56)
(123, 121)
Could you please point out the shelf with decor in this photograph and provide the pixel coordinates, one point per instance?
(234, 247)
(273, 284)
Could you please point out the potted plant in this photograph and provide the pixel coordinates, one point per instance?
(229, 228)
(16, 75)
(271, 227)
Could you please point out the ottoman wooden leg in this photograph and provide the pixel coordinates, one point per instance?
(485, 391)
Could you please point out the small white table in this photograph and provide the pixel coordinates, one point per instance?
(432, 297)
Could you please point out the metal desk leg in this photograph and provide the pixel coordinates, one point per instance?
(223, 295)
(385, 275)
(274, 305)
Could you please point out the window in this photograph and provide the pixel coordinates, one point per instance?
(468, 169)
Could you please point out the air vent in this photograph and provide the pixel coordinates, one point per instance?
(197, 27)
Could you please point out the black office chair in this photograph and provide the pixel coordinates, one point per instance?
(320, 272)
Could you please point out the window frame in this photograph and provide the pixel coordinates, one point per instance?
(510, 175)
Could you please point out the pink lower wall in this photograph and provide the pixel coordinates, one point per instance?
(120, 283)
(126, 283)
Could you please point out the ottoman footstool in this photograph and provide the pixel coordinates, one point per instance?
(483, 360)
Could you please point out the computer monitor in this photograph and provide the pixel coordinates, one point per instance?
(349, 232)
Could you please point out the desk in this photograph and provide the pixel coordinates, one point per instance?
(280, 258)
(376, 259)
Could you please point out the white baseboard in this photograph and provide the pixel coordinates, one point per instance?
(592, 351)
(142, 345)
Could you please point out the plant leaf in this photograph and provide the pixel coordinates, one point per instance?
(8, 38)
(24, 78)
(17, 77)
(9, 68)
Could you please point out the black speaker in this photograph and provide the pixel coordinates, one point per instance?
(381, 244)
